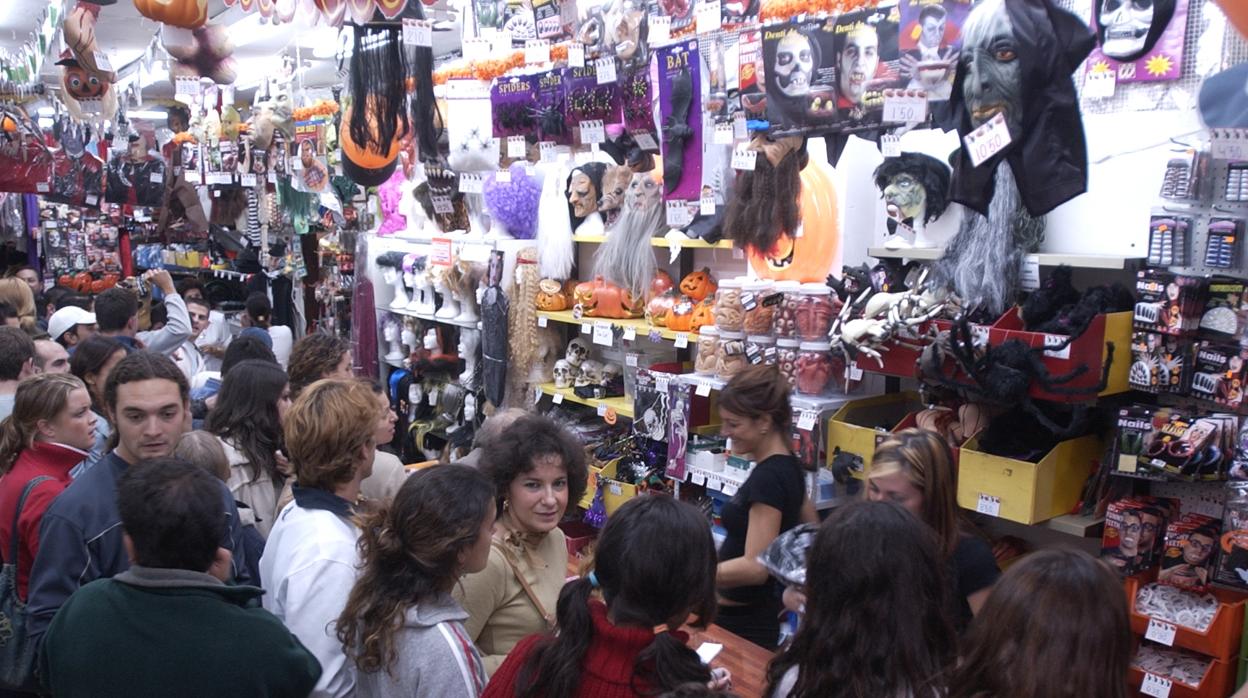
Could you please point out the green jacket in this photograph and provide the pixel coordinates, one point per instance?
(164, 632)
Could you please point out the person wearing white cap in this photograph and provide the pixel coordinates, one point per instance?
(71, 325)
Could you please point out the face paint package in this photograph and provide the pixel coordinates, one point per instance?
(1190, 552)
(1218, 374)
(1226, 310)
(586, 100)
(799, 75)
(1232, 566)
(511, 101)
(1159, 363)
(929, 41)
(680, 105)
(550, 106)
(866, 58)
(751, 85)
(1120, 542)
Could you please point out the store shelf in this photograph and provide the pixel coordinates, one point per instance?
(640, 328)
(1080, 526)
(1082, 261)
(471, 325)
(623, 406)
(694, 244)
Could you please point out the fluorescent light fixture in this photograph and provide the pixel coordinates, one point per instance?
(46, 111)
(147, 114)
(45, 122)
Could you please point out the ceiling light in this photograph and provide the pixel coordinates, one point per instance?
(46, 111)
(45, 122)
(147, 114)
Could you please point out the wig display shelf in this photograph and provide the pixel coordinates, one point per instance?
(816, 403)
(467, 324)
(627, 330)
(693, 244)
(1044, 259)
(619, 406)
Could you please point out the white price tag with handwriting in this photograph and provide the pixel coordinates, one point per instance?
(476, 49)
(602, 409)
(988, 504)
(630, 333)
(682, 340)
(645, 141)
(576, 55)
(678, 213)
(1100, 84)
(660, 30)
(593, 131)
(516, 147)
(548, 150)
(102, 62)
(471, 183)
(723, 134)
(503, 176)
(606, 70)
(890, 145)
(1029, 279)
(248, 180)
(699, 479)
(904, 109)
(743, 158)
(853, 372)
(557, 399)
(536, 51)
(703, 389)
(630, 361)
(806, 421)
(1156, 686)
(729, 488)
(740, 130)
(1230, 149)
(1160, 631)
(987, 140)
(1057, 340)
(706, 205)
(708, 17)
(603, 335)
(542, 321)
(586, 328)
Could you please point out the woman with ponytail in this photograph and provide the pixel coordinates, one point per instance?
(401, 627)
(50, 431)
(619, 635)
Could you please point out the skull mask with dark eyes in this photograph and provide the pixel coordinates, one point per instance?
(1128, 29)
(795, 64)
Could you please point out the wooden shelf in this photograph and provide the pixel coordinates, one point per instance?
(694, 244)
(639, 326)
(623, 406)
(1081, 526)
(471, 325)
(1082, 261)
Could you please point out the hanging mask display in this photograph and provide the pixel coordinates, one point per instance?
(584, 190)
(1140, 40)
(929, 42)
(625, 258)
(914, 187)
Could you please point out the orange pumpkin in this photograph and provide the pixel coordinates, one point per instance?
(658, 307)
(817, 251)
(1237, 12)
(702, 315)
(661, 284)
(366, 166)
(187, 14)
(550, 296)
(698, 284)
(680, 317)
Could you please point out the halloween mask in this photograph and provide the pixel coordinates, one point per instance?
(644, 192)
(624, 21)
(82, 85)
(796, 61)
(1128, 29)
(614, 187)
(857, 62)
(914, 187)
(582, 194)
(993, 75)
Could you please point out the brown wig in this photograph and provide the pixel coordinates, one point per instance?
(765, 202)
(924, 458)
(655, 562)
(876, 600)
(759, 391)
(410, 552)
(314, 357)
(1054, 626)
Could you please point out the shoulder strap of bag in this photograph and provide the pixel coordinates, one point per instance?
(14, 539)
(528, 590)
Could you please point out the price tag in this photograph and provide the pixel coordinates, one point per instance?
(630, 360)
(603, 335)
(1156, 686)
(576, 55)
(630, 333)
(43, 187)
(660, 30)
(102, 62)
(592, 132)
(557, 399)
(806, 421)
(904, 109)
(417, 32)
(723, 134)
(542, 321)
(476, 49)
(661, 382)
(548, 151)
(852, 372)
(703, 389)
(471, 183)
(706, 205)
(1224, 149)
(248, 180)
(442, 205)
(1160, 631)
(708, 17)
(1100, 84)
(678, 214)
(988, 504)
(698, 478)
(92, 200)
(606, 70)
(536, 51)
(890, 145)
(587, 328)
(739, 130)
(475, 253)
(987, 140)
(645, 141)
(743, 158)
(729, 488)
(516, 147)
(1057, 340)
(602, 409)
(682, 340)
(713, 482)
(503, 176)
(156, 178)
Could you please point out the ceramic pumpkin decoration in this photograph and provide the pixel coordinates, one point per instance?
(680, 317)
(698, 284)
(807, 257)
(702, 315)
(187, 14)
(80, 84)
(550, 296)
(657, 308)
(661, 284)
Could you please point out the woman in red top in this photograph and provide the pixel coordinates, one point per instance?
(618, 637)
(50, 431)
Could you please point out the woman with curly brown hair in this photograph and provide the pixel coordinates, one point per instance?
(318, 356)
(401, 627)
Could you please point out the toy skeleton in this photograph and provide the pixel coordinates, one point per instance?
(883, 317)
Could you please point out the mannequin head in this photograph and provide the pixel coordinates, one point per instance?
(1128, 29)
(914, 186)
(993, 77)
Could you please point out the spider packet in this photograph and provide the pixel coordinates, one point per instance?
(1219, 374)
(586, 100)
(1159, 363)
(1226, 310)
(1168, 303)
(511, 100)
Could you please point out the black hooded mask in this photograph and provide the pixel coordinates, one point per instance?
(1047, 153)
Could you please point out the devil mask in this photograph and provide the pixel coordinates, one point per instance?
(1016, 60)
(1128, 29)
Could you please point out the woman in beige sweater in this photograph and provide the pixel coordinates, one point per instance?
(538, 467)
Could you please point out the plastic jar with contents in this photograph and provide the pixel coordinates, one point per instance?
(760, 349)
(786, 358)
(784, 319)
(758, 315)
(707, 358)
(813, 368)
(815, 311)
(729, 314)
(730, 356)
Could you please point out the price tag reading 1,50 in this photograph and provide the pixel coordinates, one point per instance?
(987, 140)
(1160, 631)
(1156, 686)
(908, 109)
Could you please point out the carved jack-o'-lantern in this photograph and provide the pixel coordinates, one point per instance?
(809, 256)
(80, 84)
(702, 315)
(698, 284)
(680, 317)
(550, 296)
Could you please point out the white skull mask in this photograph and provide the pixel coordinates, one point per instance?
(591, 373)
(1125, 24)
(610, 372)
(578, 351)
(795, 64)
(563, 374)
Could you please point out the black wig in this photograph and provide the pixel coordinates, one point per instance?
(931, 173)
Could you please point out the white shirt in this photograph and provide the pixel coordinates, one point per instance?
(189, 359)
(283, 342)
(177, 328)
(309, 565)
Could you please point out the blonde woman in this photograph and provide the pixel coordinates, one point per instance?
(17, 293)
(50, 431)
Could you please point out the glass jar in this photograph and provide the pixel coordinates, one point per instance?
(760, 349)
(786, 358)
(815, 311)
(729, 314)
(758, 316)
(813, 368)
(707, 358)
(784, 319)
(730, 356)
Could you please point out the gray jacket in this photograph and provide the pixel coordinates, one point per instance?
(436, 658)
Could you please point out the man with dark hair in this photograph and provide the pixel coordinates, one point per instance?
(117, 315)
(188, 356)
(8, 316)
(197, 636)
(17, 361)
(71, 325)
(146, 398)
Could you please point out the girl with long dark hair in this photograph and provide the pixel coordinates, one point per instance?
(248, 420)
(876, 622)
(619, 635)
(401, 627)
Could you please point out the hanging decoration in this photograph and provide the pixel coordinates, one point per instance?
(187, 14)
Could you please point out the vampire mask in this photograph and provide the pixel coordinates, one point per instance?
(856, 63)
(1128, 29)
(914, 186)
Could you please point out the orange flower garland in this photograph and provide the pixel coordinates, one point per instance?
(323, 107)
(776, 10)
(183, 137)
(490, 68)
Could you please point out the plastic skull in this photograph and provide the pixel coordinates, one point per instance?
(795, 64)
(591, 373)
(610, 372)
(578, 351)
(563, 374)
(1126, 24)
